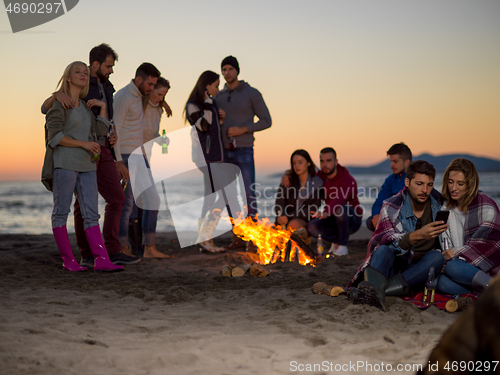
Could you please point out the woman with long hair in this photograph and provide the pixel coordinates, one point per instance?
(296, 203)
(472, 242)
(153, 105)
(70, 155)
(202, 113)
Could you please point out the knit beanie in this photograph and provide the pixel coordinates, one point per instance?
(231, 60)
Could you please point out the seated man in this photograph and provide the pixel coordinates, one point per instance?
(405, 244)
(343, 213)
(400, 157)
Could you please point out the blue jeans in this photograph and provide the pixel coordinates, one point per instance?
(337, 227)
(149, 217)
(385, 261)
(243, 158)
(457, 277)
(65, 183)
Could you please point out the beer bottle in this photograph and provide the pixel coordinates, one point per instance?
(430, 288)
(320, 248)
(164, 144)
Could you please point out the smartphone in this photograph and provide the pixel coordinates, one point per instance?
(442, 216)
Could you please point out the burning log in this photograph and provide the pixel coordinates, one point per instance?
(458, 304)
(330, 291)
(303, 246)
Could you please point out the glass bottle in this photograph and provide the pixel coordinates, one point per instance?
(430, 288)
(95, 155)
(164, 144)
(232, 144)
(320, 248)
(109, 134)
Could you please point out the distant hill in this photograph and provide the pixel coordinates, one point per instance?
(439, 162)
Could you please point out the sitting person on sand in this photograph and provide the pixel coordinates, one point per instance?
(405, 244)
(473, 236)
(296, 203)
(400, 157)
(70, 165)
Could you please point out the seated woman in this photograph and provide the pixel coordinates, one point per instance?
(473, 236)
(296, 203)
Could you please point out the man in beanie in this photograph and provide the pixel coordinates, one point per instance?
(242, 103)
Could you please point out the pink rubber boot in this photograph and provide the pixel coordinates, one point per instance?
(101, 259)
(62, 241)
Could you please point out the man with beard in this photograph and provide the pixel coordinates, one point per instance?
(405, 244)
(400, 158)
(342, 214)
(128, 122)
(102, 60)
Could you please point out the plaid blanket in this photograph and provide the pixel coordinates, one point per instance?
(482, 235)
(390, 229)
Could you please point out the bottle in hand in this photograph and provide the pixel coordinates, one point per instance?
(95, 155)
(164, 143)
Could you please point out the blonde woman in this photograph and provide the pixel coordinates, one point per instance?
(473, 236)
(69, 156)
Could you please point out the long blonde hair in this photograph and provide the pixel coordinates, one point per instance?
(471, 180)
(63, 83)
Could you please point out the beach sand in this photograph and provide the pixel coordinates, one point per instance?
(180, 316)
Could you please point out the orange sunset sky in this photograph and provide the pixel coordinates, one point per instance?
(355, 75)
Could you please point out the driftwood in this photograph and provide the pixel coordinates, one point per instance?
(238, 270)
(330, 291)
(458, 304)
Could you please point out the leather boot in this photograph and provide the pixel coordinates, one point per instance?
(62, 241)
(480, 281)
(135, 237)
(101, 259)
(371, 291)
(397, 286)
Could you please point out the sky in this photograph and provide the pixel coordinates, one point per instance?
(356, 75)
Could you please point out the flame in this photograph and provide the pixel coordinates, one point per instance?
(270, 240)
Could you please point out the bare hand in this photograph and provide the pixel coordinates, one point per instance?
(235, 131)
(122, 170)
(92, 147)
(285, 179)
(113, 138)
(448, 254)
(222, 115)
(96, 103)
(167, 108)
(320, 215)
(64, 99)
(430, 231)
(282, 220)
(375, 219)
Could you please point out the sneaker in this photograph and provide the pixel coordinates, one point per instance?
(123, 259)
(339, 251)
(87, 262)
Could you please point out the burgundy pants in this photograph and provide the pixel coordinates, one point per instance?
(108, 185)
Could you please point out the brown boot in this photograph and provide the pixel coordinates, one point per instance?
(236, 244)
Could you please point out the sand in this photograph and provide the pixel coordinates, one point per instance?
(180, 316)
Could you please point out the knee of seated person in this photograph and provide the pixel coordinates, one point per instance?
(437, 258)
(313, 228)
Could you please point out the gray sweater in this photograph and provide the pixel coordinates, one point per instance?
(241, 105)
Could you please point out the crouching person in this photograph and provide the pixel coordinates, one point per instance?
(405, 244)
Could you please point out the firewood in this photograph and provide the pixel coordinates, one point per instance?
(305, 248)
(226, 270)
(240, 270)
(330, 291)
(458, 304)
(258, 271)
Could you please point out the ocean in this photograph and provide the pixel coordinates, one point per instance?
(25, 207)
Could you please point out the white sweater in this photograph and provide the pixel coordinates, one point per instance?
(128, 116)
(151, 122)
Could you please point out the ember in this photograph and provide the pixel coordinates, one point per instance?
(271, 242)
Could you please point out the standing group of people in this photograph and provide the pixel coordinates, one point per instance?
(91, 134)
